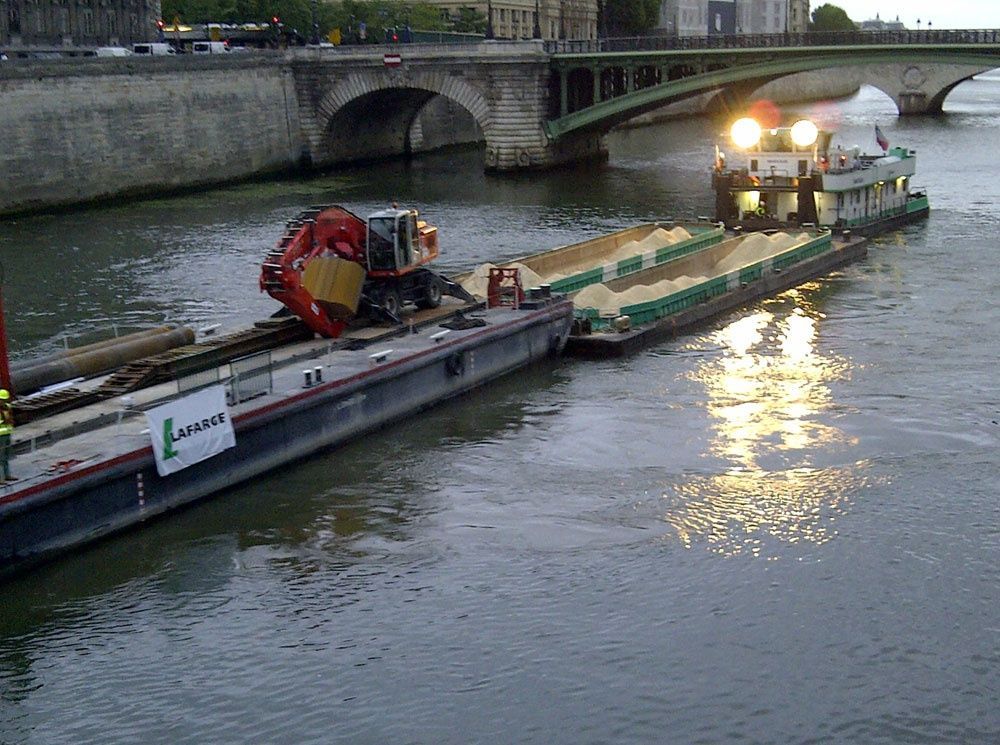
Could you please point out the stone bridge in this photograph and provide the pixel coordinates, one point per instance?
(538, 103)
(82, 130)
(358, 103)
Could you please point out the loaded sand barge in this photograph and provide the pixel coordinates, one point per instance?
(105, 454)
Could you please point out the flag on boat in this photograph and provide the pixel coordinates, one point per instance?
(881, 139)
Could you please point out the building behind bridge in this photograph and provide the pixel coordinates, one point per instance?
(726, 17)
(877, 24)
(579, 19)
(515, 19)
(65, 27)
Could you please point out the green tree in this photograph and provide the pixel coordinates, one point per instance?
(829, 17)
(345, 15)
(469, 21)
(630, 17)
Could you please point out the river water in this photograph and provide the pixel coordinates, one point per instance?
(782, 528)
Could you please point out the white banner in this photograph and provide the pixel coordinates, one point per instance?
(190, 429)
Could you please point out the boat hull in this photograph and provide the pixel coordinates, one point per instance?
(62, 511)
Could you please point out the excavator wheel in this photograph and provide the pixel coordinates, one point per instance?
(391, 302)
(432, 294)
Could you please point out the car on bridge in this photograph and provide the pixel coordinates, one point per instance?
(153, 48)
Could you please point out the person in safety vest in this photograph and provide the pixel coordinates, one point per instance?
(6, 430)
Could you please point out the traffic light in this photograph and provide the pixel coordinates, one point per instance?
(275, 20)
(159, 23)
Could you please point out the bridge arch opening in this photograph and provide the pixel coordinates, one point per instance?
(397, 121)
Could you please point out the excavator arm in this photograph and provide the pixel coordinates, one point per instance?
(320, 247)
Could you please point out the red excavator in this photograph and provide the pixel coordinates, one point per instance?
(330, 263)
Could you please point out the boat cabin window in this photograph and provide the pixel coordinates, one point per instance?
(414, 238)
(777, 141)
(382, 243)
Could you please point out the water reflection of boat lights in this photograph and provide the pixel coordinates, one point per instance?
(765, 395)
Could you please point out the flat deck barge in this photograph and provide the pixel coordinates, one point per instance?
(90, 472)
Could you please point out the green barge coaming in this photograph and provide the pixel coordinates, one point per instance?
(700, 264)
(593, 252)
(626, 328)
(571, 268)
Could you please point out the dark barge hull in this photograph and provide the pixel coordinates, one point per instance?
(883, 225)
(43, 517)
(602, 346)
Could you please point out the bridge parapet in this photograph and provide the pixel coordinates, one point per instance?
(770, 41)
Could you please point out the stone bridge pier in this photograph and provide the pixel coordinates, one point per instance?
(918, 88)
(359, 104)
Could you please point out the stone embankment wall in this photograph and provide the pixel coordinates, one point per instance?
(82, 130)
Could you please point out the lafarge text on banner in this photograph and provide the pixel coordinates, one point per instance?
(190, 429)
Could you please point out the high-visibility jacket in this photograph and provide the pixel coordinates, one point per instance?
(6, 420)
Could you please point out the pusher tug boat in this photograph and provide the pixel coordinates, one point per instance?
(793, 177)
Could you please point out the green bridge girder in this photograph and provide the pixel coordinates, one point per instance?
(750, 66)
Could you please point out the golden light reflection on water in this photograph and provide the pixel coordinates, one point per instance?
(769, 398)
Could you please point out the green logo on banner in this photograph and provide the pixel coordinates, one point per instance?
(168, 439)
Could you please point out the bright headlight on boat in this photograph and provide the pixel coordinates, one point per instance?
(745, 132)
(804, 133)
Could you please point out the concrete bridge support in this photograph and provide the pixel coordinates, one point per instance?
(918, 88)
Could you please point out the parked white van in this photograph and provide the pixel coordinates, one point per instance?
(154, 48)
(112, 52)
(209, 47)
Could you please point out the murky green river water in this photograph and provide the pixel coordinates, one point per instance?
(782, 528)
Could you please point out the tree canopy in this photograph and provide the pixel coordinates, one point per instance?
(347, 15)
(630, 17)
(829, 17)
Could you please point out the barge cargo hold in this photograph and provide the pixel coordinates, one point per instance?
(572, 267)
(91, 472)
(718, 289)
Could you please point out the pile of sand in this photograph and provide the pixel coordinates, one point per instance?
(608, 302)
(757, 247)
(479, 281)
(658, 238)
(753, 248)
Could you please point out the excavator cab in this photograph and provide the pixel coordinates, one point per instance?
(393, 242)
(330, 263)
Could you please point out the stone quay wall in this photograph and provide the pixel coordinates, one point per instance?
(77, 131)
(83, 131)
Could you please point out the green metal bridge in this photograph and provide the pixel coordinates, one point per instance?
(600, 83)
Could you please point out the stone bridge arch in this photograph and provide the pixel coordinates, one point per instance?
(919, 88)
(369, 114)
(914, 88)
(352, 106)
